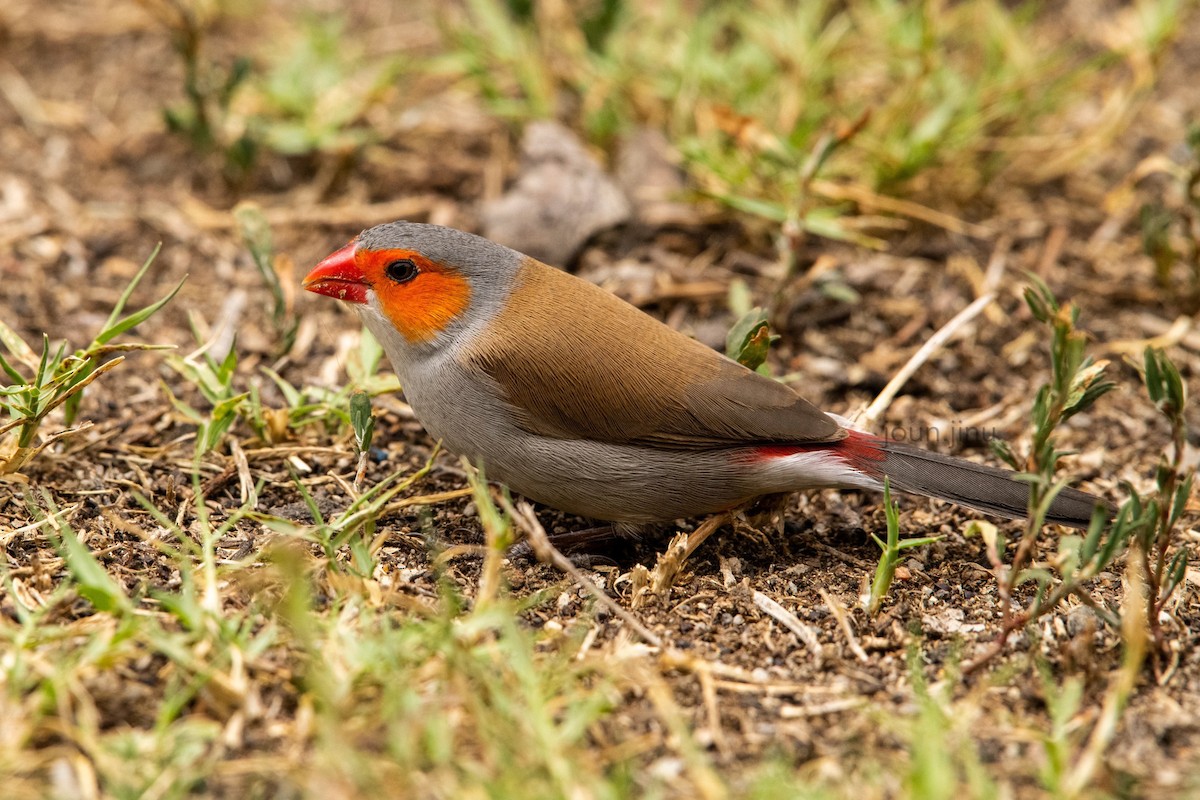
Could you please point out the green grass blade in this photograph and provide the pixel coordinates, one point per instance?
(138, 317)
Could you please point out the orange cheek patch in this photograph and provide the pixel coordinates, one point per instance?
(423, 307)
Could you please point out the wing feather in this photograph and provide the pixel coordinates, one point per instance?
(575, 361)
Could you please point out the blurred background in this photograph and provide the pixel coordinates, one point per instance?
(709, 156)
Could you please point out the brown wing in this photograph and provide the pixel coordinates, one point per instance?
(581, 363)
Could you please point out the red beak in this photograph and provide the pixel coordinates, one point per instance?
(339, 277)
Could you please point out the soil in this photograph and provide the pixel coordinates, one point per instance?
(91, 181)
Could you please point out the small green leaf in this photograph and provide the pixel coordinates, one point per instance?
(919, 541)
(1004, 452)
(114, 327)
(1152, 376)
(1041, 301)
(1038, 574)
(256, 235)
(238, 72)
(754, 353)
(750, 339)
(291, 395)
(1070, 555)
(362, 420)
(742, 330)
(1172, 395)
(42, 376)
(15, 345)
(1091, 541)
(1177, 572)
(17, 378)
(839, 291)
(890, 512)
(94, 583)
(1182, 492)
(1156, 222)
(370, 356)
(228, 365)
(766, 209)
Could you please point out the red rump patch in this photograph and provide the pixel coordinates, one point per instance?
(859, 450)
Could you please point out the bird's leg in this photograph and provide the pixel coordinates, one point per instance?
(579, 542)
(766, 511)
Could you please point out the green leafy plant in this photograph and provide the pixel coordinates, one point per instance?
(1074, 752)
(1076, 383)
(890, 551)
(498, 533)
(209, 87)
(1171, 229)
(817, 116)
(355, 526)
(1060, 740)
(303, 406)
(308, 95)
(1173, 483)
(314, 93)
(312, 405)
(202, 647)
(460, 694)
(57, 378)
(362, 421)
(256, 234)
(1141, 525)
(750, 339)
(92, 582)
(214, 378)
(944, 759)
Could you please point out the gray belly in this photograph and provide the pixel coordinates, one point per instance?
(615, 482)
(620, 483)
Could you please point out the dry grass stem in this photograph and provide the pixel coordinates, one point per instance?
(523, 515)
(884, 399)
(790, 621)
(843, 618)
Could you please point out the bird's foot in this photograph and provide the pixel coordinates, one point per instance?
(578, 544)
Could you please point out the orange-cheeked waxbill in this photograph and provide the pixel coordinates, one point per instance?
(576, 399)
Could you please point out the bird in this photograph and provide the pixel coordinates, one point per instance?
(578, 400)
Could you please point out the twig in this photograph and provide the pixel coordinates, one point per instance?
(547, 553)
(994, 271)
(703, 777)
(880, 404)
(853, 561)
(790, 621)
(670, 563)
(701, 534)
(245, 480)
(1170, 337)
(666, 568)
(839, 613)
(822, 709)
(21, 96)
(708, 690)
(424, 500)
(870, 201)
(1051, 250)
(326, 216)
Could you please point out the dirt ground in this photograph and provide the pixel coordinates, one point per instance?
(90, 181)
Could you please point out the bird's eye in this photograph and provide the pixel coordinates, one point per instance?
(401, 270)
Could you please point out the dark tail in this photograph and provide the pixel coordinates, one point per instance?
(995, 491)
